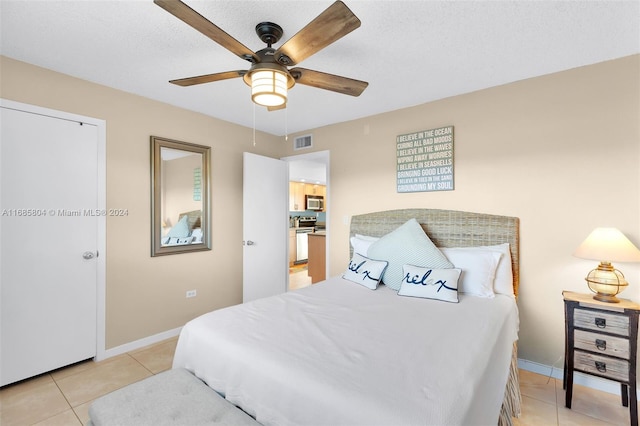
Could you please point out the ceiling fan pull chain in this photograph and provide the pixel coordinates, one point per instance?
(286, 125)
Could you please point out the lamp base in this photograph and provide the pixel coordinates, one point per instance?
(606, 281)
(606, 298)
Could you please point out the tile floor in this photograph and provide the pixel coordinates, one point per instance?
(543, 404)
(299, 279)
(62, 397)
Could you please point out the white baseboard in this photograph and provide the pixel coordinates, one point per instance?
(592, 382)
(137, 344)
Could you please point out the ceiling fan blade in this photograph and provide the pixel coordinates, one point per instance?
(206, 27)
(208, 78)
(276, 108)
(332, 24)
(335, 83)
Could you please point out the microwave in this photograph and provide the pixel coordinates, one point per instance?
(314, 202)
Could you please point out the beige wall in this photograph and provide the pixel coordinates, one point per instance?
(541, 149)
(561, 152)
(146, 295)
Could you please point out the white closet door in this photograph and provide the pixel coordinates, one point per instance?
(48, 243)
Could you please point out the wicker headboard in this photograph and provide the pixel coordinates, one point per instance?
(448, 228)
(193, 218)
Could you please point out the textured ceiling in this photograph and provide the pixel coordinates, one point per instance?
(410, 52)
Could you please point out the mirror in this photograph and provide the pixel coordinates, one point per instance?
(179, 197)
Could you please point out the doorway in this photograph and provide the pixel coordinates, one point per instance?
(308, 179)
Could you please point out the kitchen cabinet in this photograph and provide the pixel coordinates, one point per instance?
(292, 246)
(296, 196)
(311, 189)
(317, 257)
(319, 190)
(297, 192)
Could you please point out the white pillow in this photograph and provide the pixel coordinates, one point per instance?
(364, 271)
(181, 229)
(197, 235)
(439, 284)
(478, 269)
(503, 282)
(361, 243)
(406, 245)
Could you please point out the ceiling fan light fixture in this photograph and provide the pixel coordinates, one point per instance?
(269, 76)
(269, 87)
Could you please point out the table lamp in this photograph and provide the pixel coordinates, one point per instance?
(607, 245)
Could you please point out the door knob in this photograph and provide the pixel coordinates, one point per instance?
(250, 243)
(88, 255)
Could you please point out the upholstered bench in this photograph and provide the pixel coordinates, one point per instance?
(173, 397)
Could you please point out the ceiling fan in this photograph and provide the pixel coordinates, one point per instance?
(269, 76)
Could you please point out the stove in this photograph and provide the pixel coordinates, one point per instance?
(306, 225)
(307, 222)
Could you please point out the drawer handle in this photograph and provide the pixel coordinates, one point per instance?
(601, 344)
(601, 322)
(601, 366)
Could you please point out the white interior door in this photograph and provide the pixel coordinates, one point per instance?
(49, 222)
(265, 227)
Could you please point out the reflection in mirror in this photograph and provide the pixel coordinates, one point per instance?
(179, 197)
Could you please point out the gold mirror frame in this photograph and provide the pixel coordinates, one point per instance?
(161, 222)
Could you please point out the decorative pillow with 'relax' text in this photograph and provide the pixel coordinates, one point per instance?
(365, 271)
(439, 284)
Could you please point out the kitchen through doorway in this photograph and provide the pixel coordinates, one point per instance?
(308, 211)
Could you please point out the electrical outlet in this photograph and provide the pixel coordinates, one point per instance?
(191, 293)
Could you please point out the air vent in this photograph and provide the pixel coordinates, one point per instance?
(302, 142)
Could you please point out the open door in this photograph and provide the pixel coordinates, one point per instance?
(265, 226)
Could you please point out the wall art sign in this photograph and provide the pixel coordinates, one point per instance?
(197, 184)
(424, 160)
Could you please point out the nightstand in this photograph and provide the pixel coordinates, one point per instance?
(601, 339)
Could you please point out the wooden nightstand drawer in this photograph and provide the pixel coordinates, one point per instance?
(600, 321)
(615, 369)
(601, 339)
(602, 344)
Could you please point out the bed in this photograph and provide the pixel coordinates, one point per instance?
(188, 230)
(338, 353)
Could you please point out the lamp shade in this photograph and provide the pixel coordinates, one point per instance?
(269, 87)
(608, 244)
(269, 84)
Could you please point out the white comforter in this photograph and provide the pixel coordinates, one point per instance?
(337, 353)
